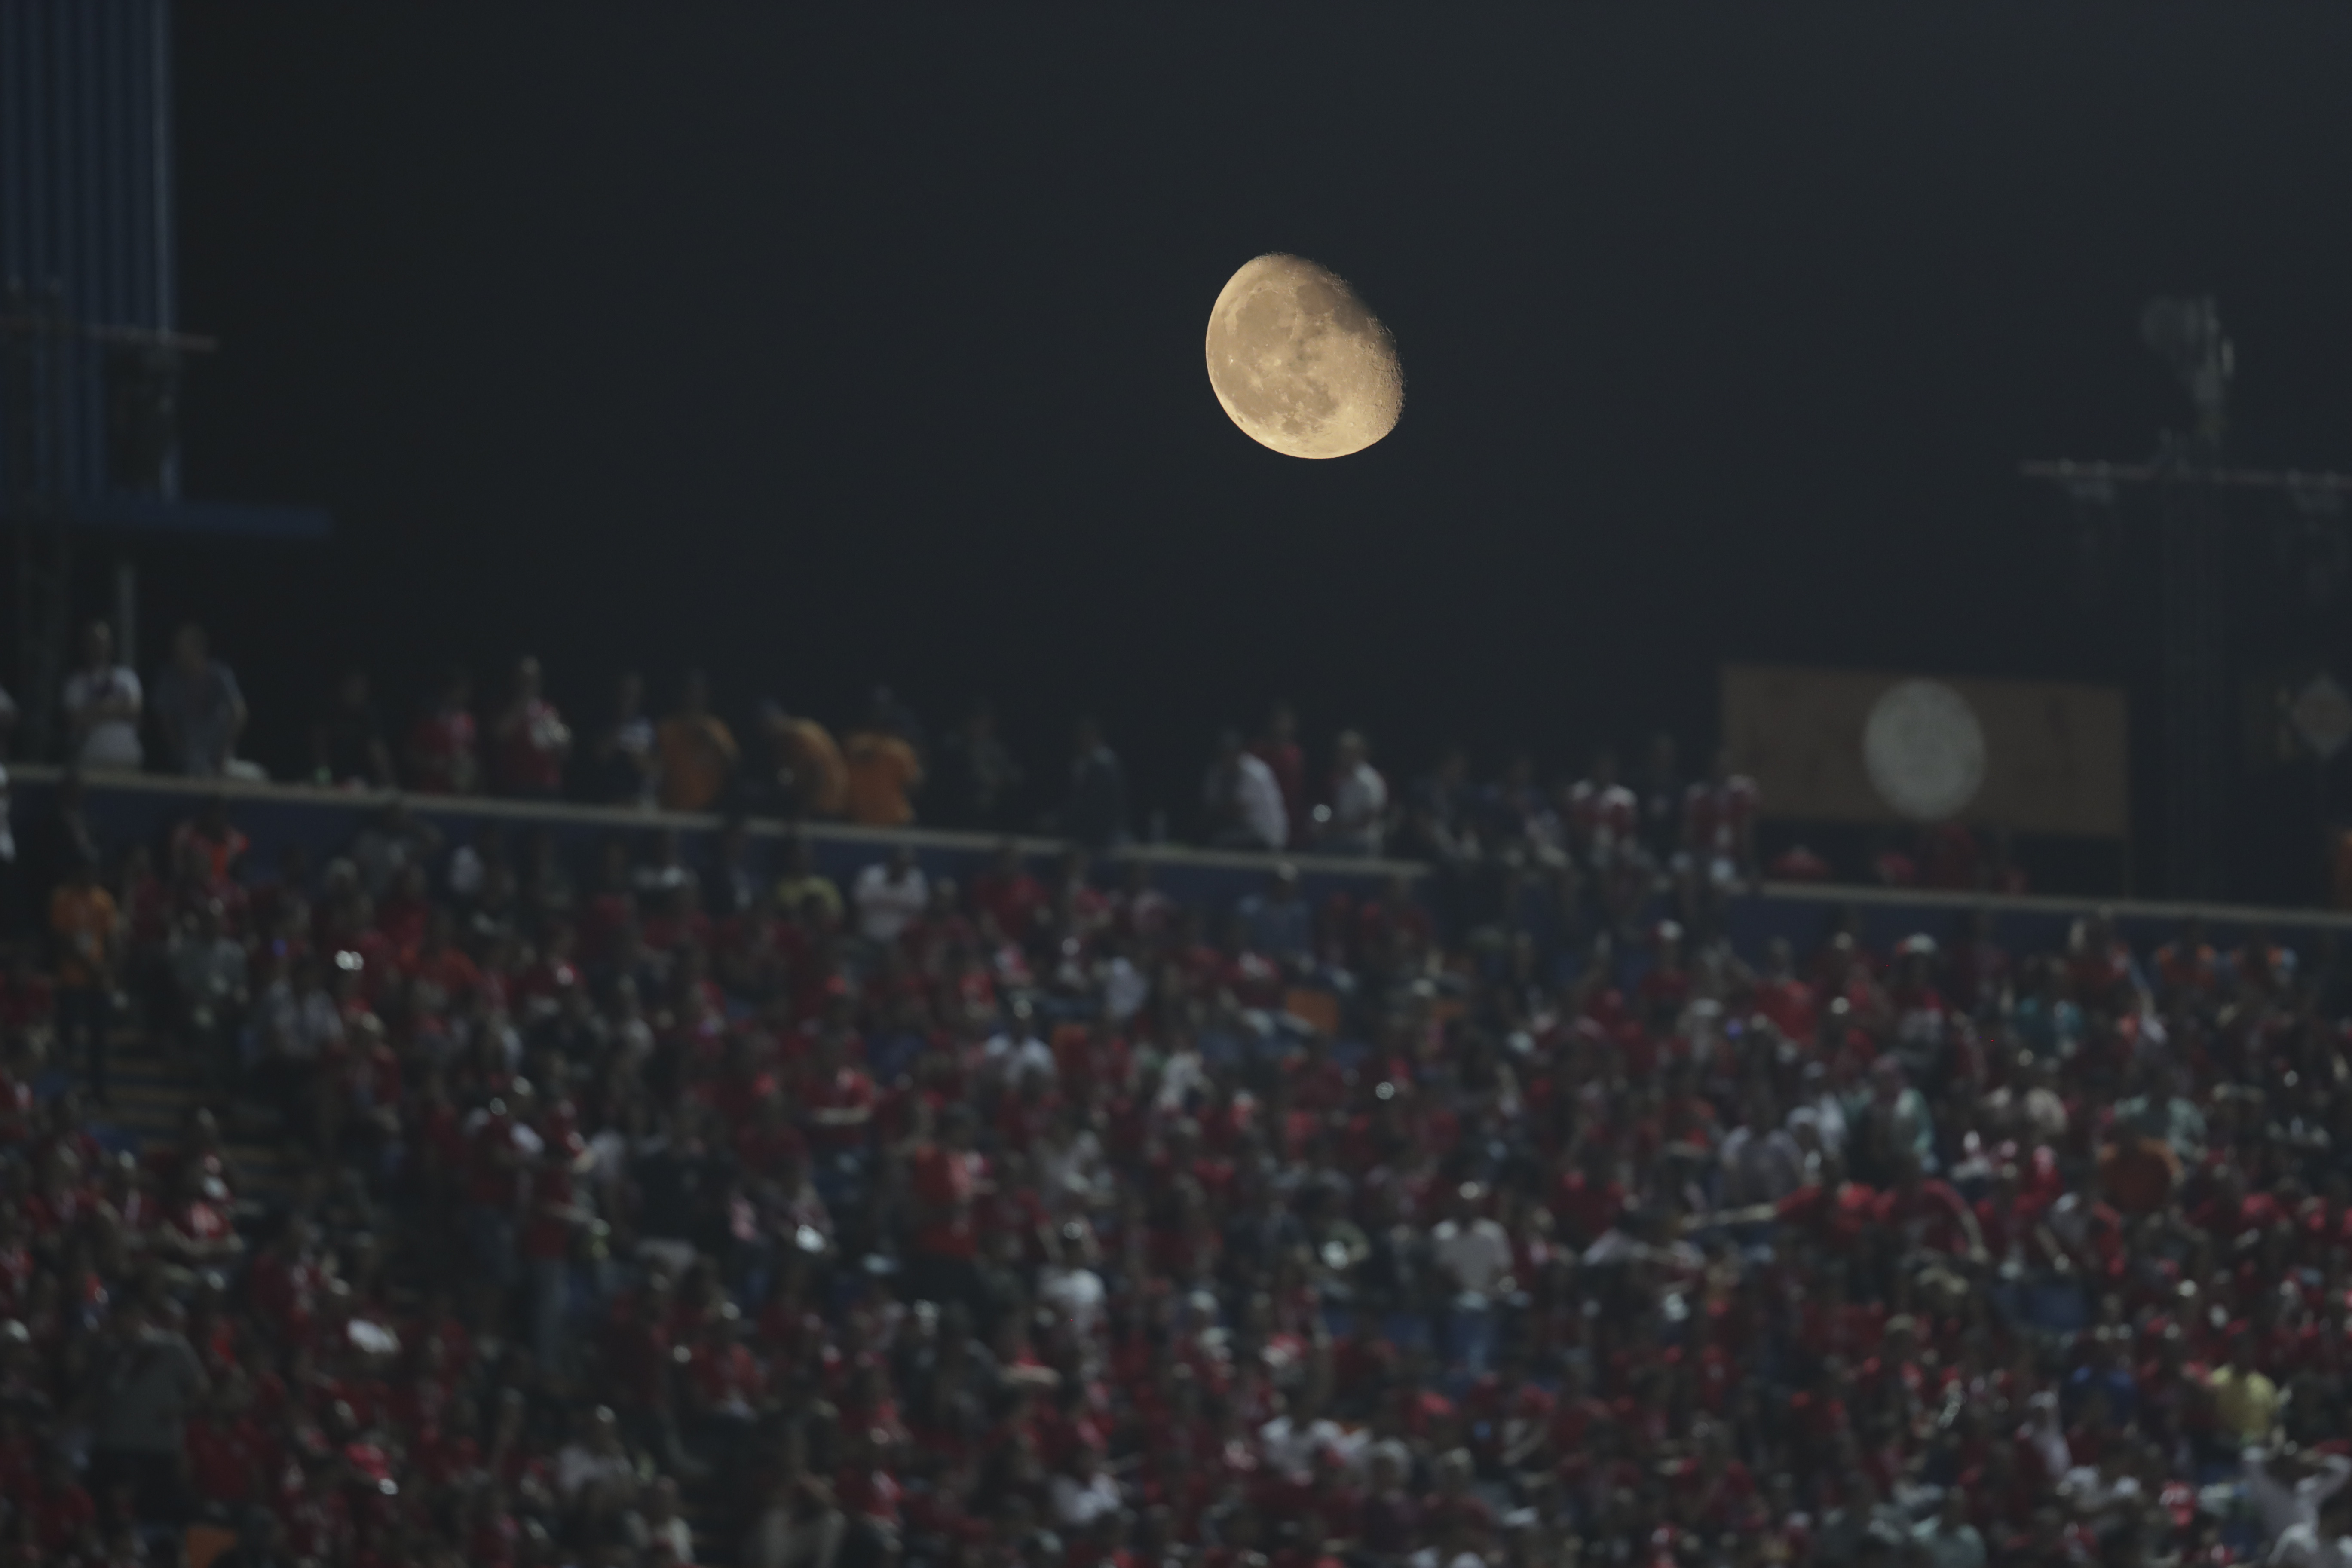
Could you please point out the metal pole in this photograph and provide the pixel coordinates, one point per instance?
(2191, 487)
(2195, 647)
(126, 611)
(56, 609)
(2319, 825)
(35, 712)
(19, 398)
(39, 457)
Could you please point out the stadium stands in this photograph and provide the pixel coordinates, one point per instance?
(391, 1181)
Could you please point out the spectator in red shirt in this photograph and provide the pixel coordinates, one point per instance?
(1922, 1211)
(442, 757)
(946, 1178)
(529, 739)
(1017, 901)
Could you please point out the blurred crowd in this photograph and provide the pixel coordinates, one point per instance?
(658, 1198)
(512, 741)
(1656, 822)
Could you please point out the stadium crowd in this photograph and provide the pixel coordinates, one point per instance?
(661, 1196)
(1255, 793)
(1258, 792)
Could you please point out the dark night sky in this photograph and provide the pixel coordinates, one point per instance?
(823, 351)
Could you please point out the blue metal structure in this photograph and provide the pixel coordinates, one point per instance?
(85, 218)
(89, 345)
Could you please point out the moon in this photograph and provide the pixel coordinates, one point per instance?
(1298, 362)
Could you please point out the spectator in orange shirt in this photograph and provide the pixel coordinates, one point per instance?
(82, 921)
(811, 779)
(210, 833)
(696, 750)
(883, 770)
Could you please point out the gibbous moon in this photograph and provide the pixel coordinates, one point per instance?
(1300, 363)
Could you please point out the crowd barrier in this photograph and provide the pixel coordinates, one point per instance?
(132, 808)
(129, 808)
(1881, 917)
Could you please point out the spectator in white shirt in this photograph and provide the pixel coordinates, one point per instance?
(207, 971)
(2291, 1493)
(1085, 1492)
(102, 705)
(1294, 1438)
(659, 1524)
(1949, 1539)
(2323, 1540)
(2100, 1490)
(1820, 1114)
(888, 896)
(1762, 1162)
(1473, 1250)
(297, 1016)
(2310, 1545)
(1474, 1253)
(1243, 799)
(595, 1455)
(1017, 1050)
(1359, 801)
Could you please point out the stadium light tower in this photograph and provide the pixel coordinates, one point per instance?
(2191, 486)
(89, 349)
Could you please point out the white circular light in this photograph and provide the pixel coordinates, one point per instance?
(1924, 749)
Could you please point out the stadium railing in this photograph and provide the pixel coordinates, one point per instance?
(142, 808)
